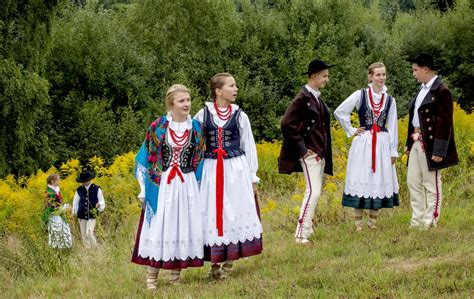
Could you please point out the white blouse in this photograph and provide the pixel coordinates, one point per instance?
(247, 142)
(343, 115)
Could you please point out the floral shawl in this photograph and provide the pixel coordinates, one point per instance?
(52, 201)
(149, 160)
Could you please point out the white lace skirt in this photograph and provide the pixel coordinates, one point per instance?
(361, 181)
(175, 231)
(240, 218)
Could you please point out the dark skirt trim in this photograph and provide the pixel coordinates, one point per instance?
(370, 202)
(222, 253)
(171, 264)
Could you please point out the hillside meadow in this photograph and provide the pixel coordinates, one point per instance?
(394, 261)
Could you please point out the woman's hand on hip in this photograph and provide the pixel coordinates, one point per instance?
(359, 131)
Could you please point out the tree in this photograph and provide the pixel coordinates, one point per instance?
(25, 124)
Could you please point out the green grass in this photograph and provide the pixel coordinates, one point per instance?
(394, 261)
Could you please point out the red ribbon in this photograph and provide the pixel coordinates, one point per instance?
(221, 153)
(175, 171)
(375, 129)
(179, 142)
(376, 109)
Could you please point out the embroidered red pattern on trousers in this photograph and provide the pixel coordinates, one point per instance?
(305, 210)
(436, 210)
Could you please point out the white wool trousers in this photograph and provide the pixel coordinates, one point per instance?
(87, 228)
(425, 189)
(313, 170)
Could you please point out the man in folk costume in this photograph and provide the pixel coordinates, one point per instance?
(430, 141)
(307, 143)
(88, 201)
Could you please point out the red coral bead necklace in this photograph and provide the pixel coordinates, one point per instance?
(177, 139)
(225, 113)
(376, 108)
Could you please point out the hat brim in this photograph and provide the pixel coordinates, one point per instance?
(86, 179)
(315, 71)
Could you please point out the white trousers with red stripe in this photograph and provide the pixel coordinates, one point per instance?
(313, 172)
(424, 187)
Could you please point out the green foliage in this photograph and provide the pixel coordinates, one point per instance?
(99, 81)
(121, 56)
(95, 130)
(458, 59)
(93, 56)
(24, 31)
(24, 120)
(448, 37)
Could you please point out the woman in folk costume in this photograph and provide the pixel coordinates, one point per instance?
(170, 232)
(59, 232)
(371, 179)
(232, 227)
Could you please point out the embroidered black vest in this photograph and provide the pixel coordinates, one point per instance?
(185, 156)
(230, 136)
(87, 202)
(366, 115)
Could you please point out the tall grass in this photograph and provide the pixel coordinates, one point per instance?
(392, 262)
(22, 256)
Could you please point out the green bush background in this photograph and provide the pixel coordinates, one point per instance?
(84, 78)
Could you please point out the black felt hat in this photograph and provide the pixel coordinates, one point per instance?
(85, 176)
(317, 65)
(424, 59)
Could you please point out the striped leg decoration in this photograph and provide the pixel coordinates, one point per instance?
(175, 276)
(358, 214)
(151, 277)
(305, 209)
(227, 269)
(373, 214)
(437, 197)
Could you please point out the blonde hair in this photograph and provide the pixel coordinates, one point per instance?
(217, 81)
(171, 92)
(370, 69)
(51, 178)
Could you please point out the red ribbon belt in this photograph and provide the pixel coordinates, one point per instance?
(175, 171)
(175, 165)
(221, 153)
(376, 110)
(179, 141)
(375, 129)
